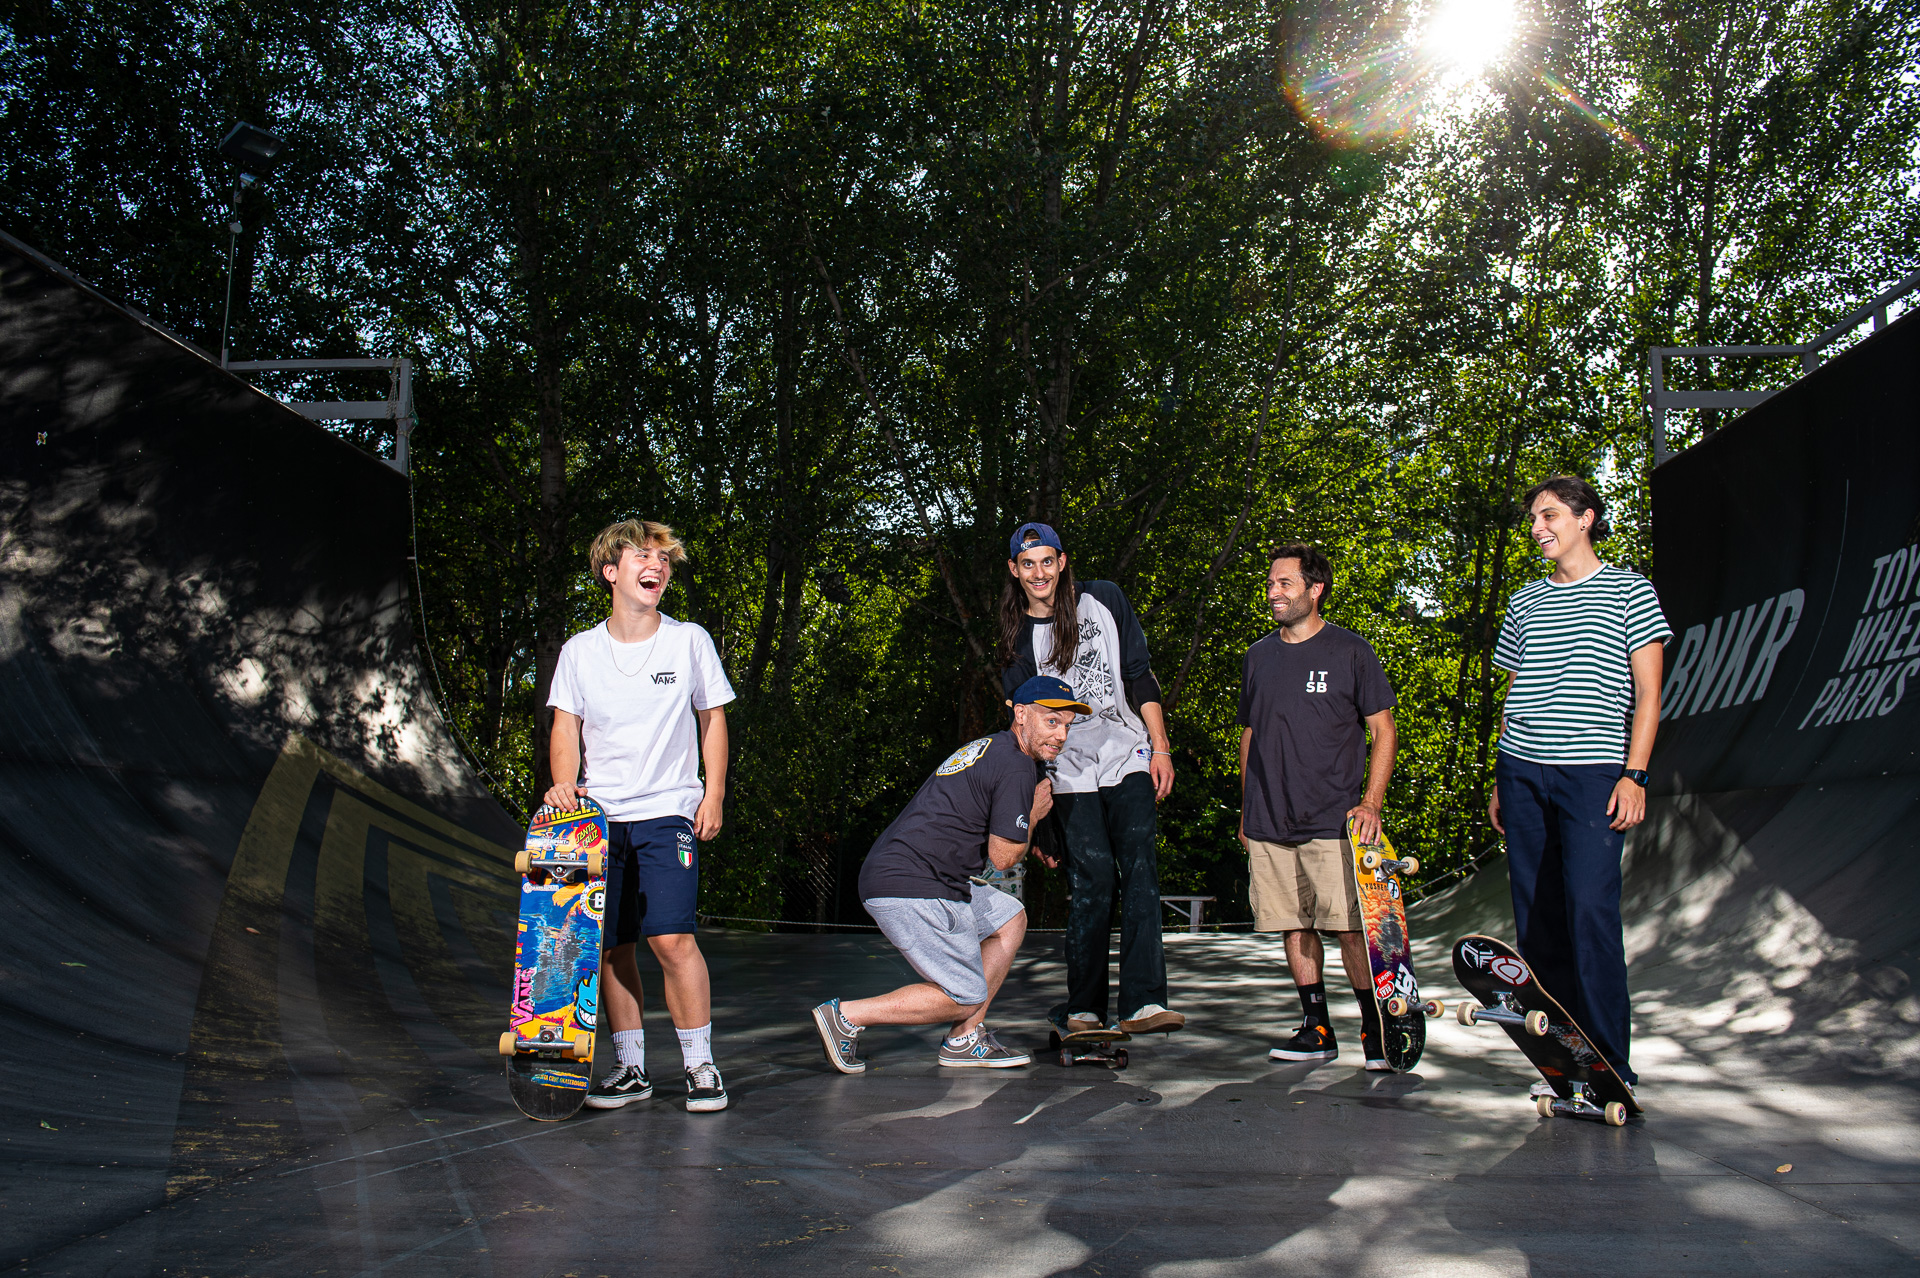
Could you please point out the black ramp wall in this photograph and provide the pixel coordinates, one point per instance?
(255, 895)
(1772, 897)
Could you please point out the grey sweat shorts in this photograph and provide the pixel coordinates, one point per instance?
(942, 938)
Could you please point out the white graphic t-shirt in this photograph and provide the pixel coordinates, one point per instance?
(1111, 743)
(639, 740)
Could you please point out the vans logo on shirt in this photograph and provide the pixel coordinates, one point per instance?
(665, 676)
(1316, 681)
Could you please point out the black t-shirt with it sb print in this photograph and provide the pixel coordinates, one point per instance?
(1307, 704)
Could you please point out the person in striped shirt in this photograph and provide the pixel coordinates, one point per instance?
(1582, 648)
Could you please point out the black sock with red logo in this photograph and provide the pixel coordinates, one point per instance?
(1313, 998)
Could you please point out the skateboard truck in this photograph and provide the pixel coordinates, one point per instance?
(527, 862)
(1467, 1012)
(1613, 1113)
(1430, 1008)
(547, 1044)
(1399, 865)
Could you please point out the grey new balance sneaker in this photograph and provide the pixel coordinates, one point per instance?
(623, 1085)
(980, 1050)
(839, 1037)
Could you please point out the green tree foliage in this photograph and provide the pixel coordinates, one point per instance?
(845, 293)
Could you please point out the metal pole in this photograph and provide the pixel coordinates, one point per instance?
(233, 247)
(1657, 394)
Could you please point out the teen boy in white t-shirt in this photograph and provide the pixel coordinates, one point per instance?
(637, 709)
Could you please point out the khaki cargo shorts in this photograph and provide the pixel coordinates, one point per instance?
(1298, 887)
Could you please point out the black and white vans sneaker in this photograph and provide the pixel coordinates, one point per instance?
(623, 1085)
(1310, 1043)
(705, 1091)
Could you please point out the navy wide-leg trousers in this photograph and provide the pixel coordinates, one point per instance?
(1564, 863)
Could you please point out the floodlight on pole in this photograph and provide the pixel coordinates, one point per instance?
(257, 152)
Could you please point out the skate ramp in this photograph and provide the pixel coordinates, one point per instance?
(256, 896)
(1772, 897)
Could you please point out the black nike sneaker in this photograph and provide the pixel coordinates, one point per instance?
(1309, 1043)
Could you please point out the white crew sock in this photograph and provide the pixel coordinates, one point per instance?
(630, 1048)
(696, 1045)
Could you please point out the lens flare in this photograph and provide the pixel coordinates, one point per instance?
(1581, 108)
(1363, 83)
(1355, 87)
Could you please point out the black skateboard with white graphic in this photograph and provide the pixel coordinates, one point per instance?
(1511, 997)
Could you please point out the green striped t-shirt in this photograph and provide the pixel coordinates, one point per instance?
(1568, 648)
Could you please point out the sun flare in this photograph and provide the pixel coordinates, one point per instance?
(1467, 36)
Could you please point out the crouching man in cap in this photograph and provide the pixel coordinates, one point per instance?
(981, 805)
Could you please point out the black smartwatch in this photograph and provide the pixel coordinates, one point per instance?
(1636, 775)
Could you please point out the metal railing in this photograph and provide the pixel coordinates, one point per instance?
(1660, 399)
(396, 408)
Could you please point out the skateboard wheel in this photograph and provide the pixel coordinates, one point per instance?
(1543, 1106)
(1465, 1012)
(1615, 1114)
(1368, 860)
(507, 1043)
(1066, 1059)
(1410, 865)
(1396, 1006)
(523, 862)
(596, 865)
(1433, 1007)
(1053, 1040)
(1120, 1055)
(1537, 1024)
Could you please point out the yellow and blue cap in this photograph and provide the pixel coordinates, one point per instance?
(1054, 694)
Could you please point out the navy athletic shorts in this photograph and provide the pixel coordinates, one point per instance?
(653, 878)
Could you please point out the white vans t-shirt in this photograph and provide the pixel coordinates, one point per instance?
(640, 743)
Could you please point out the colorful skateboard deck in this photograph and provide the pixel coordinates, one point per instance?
(1086, 1047)
(556, 970)
(1512, 997)
(1383, 917)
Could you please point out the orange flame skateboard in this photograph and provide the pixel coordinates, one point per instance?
(1383, 917)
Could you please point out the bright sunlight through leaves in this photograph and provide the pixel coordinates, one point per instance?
(1469, 35)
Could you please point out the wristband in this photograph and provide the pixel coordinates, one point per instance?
(1168, 753)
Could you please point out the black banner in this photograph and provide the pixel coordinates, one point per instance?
(1787, 557)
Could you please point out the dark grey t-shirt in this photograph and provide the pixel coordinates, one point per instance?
(940, 837)
(1307, 704)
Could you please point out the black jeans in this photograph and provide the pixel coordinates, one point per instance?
(1109, 835)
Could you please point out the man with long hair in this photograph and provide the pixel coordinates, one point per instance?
(1116, 765)
(638, 706)
(1582, 648)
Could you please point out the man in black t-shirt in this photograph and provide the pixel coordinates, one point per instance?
(1310, 694)
(980, 806)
